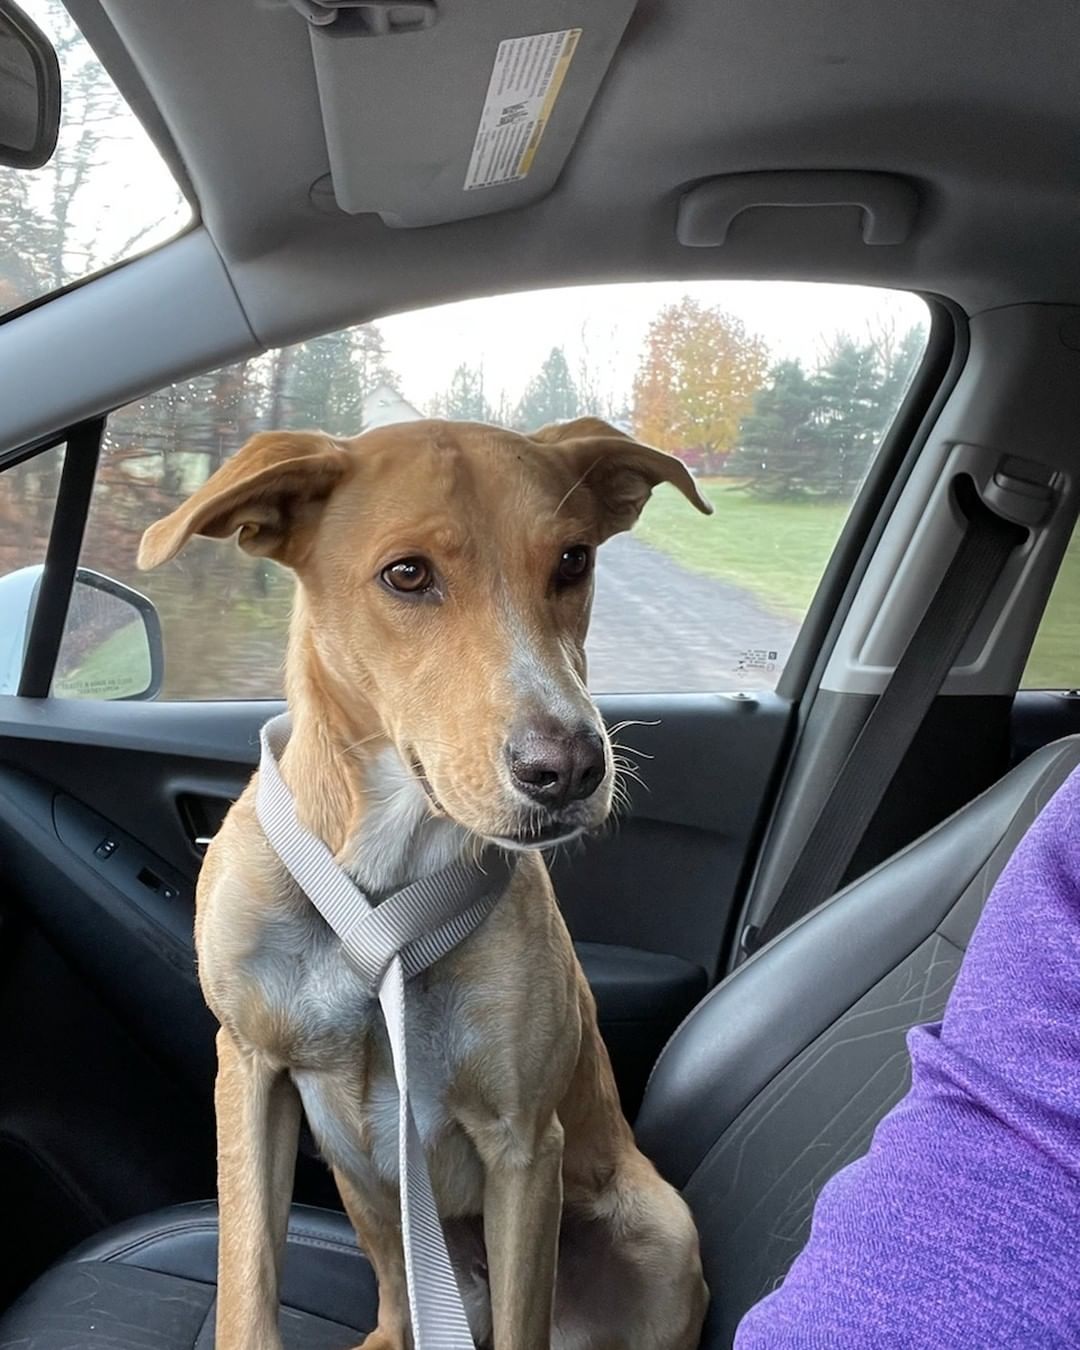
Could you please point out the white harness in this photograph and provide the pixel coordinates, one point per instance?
(388, 943)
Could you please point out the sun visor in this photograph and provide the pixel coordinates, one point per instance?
(440, 110)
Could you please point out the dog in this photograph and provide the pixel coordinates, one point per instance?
(436, 680)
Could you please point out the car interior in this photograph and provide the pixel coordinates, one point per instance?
(793, 885)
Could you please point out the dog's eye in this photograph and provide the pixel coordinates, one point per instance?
(409, 575)
(574, 564)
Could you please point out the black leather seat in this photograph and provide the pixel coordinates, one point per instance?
(149, 1285)
(773, 1083)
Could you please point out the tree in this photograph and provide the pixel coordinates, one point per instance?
(898, 361)
(601, 392)
(550, 396)
(816, 435)
(849, 397)
(781, 448)
(464, 399)
(40, 248)
(329, 378)
(696, 381)
(504, 413)
(371, 360)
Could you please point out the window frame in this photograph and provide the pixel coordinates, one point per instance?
(938, 370)
(82, 451)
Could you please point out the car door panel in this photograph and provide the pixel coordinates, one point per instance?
(102, 807)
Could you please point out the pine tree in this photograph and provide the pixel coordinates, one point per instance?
(550, 396)
(848, 389)
(464, 399)
(899, 362)
(372, 360)
(781, 448)
(329, 378)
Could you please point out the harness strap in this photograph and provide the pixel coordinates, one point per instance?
(388, 943)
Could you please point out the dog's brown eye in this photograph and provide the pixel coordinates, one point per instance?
(409, 575)
(574, 564)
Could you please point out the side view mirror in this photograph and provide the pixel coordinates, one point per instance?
(29, 91)
(112, 646)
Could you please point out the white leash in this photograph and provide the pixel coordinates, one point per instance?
(388, 943)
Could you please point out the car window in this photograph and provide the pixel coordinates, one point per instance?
(1052, 662)
(776, 396)
(62, 222)
(27, 501)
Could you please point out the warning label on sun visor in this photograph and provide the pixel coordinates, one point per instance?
(525, 82)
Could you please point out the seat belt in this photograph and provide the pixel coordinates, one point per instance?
(886, 736)
(389, 943)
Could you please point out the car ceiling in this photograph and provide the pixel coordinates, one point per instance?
(976, 105)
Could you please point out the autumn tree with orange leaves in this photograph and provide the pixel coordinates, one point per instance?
(696, 382)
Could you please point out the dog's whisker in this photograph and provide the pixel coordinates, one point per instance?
(631, 749)
(632, 722)
(624, 772)
(356, 745)
(574, 487)
(627, 766)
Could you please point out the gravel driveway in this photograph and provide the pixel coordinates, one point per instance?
(659, 628)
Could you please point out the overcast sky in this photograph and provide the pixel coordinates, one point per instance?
(510, 336)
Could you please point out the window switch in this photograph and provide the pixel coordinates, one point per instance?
(105, 849)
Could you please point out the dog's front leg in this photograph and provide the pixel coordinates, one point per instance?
(380, 1241)
(258, 1122)
(522, 1161)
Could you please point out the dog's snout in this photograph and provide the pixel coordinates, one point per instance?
(554, 766)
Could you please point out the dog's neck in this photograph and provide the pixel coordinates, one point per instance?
(399, 838)
(353, 789)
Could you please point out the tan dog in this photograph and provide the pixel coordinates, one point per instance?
(436, 678)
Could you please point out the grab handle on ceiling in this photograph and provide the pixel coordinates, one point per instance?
(889, 204)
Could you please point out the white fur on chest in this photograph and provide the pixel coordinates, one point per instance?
(354, 1112)
(333, 1035)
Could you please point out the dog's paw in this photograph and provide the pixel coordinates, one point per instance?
(383, 1340)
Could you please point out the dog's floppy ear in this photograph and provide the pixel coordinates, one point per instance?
(277, 481)
(620, 472)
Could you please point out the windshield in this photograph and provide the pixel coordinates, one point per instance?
(105, 195)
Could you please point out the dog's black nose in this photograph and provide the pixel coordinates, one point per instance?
(556, 767)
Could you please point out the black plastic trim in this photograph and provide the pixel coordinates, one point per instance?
(61, 558)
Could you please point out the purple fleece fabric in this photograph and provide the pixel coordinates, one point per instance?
(960, 1228)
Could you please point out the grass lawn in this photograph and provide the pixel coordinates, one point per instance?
(1054, 662)
(777, 550)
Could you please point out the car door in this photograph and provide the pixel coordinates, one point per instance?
(118, 760)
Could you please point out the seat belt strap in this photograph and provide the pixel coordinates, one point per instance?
(388, 943)
(886, 736)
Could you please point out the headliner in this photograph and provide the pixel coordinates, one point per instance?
(977, 105)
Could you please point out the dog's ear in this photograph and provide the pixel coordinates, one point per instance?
(276, 483)
(619, 471)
